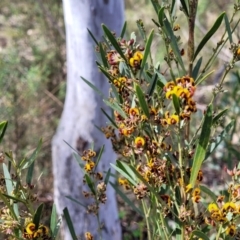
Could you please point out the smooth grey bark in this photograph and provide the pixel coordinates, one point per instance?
(82, 110)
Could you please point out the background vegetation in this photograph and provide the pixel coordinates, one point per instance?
(32, 82)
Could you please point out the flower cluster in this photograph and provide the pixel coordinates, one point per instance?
(31, 232)
(99, 194)
(184, 89)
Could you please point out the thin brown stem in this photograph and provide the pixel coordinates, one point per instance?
(193, 4)
(191, 23)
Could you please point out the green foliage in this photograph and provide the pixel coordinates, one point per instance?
(161, 143)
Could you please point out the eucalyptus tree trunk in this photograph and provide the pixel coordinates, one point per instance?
(82, 110)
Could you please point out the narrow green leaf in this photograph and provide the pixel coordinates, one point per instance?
(99, 155)
(200, 153)
(92, 36)
(113, 41)
(199, 81)
(103, 56)
(37, 215)
(219, 139)
(184, 7)
(141, 29)
(156, 5)
(142, 101)
(124, 173)
(124, 69)
(127, 169)
(30, 174)
(71, 146)
(172, 6)
(8, 180)
(199, 234)
(161, 16)
(116, 94)
(107, 176)
(69, 224)
(173, 43)
(76, 201)
(3, 128)
(153, 85)
(219, 115)
(209, 34)
(115, 107)
(9, 206)
(14, 198)
(176, 103)
(147, 50)
(106, 73)
(10, 187)
(123, 29)
(126, 199)
(28, 161)
(228, 28)
(208, 192)
(93, 87)
(55, 224)
(162, 78)
(197, 68)
(90, 183)
(79, 160)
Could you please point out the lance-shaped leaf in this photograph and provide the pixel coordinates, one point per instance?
(27, 162)
(69, 224)
(200, 153)
(219, 139)
(92, 36)
(37, 215)
(161, 16)
(76, 201)
(219, 115)
(156, 5)
(100, 152)
(228, 28)
(176, 103)
(109, 118)
(3, 128)
(173, 43)
(30, 174)
(107, 177)
(173, 6)
(124, 172)
(197, 68)
(153, 85)
(113, 41)
(141, 99)
(93, 87)
(123, 30)
(184, 6)
(9, 206)
(141, 29)
(209, 34)
(147, 50)
(8, 180)
(55, 223)
(10, 187)
(90, 183)
(115, 107)
(208, 192)
(103, 57)
(199, 234)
